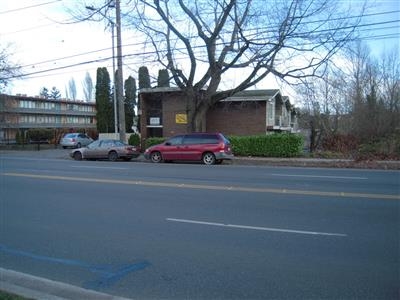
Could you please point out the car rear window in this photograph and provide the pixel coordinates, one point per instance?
(225, 139)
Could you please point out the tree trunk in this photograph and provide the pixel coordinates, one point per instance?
(198, 119)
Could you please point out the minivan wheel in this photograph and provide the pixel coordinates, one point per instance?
(112, 156)
(156, 157)
(77, 155)
(208, 158)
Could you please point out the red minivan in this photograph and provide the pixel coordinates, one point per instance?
(210, 148)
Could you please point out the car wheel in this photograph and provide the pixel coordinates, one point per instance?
(77, 155)
(208, 158)
(156, 157)
(218, 161)
(127, 158)
(64, 147)
(78, 145)
(113, 156)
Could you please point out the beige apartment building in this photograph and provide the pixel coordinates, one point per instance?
(20, 112)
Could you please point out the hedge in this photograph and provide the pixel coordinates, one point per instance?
(271, 145)
(36, 135)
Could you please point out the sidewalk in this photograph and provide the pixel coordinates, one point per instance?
(320, 163)
(33, 287)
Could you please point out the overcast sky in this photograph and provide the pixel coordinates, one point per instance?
(40, 41)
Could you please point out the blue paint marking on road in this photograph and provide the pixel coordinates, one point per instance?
(109, 274)
(62, 261)
(109, 279)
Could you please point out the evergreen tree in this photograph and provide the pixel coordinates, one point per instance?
(130, 102)
(163, 78)
(44, 92)
(55, 93)
(144, 78)
(105, 117)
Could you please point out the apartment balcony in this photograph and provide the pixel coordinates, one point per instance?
(26, 125)
(37, 111)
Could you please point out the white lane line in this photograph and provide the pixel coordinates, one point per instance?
(94, 167)
(256, 227)
(319, 176)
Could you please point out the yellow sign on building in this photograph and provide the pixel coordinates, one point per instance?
(181, 118)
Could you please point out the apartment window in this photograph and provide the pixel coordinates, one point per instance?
(26, 104)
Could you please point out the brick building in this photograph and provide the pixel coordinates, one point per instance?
(20, 113)
(163, 113)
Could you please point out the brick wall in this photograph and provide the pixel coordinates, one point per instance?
(237, 118)
(230, 118)
(172, 105)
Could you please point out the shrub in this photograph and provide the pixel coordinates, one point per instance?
(341, 143)
(39, 135)
(154, 141)
(273, 145)
(384, 148)
(134, 140)
(19, 138)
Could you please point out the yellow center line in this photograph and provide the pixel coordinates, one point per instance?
(209, 187)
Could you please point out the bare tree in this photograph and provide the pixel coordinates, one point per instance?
(72, 89)
(361, 102)
(8, 70)
(324, 103)
(203, 43)
(88, 87)
(390, 68)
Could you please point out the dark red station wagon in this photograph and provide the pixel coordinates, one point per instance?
(210, 148)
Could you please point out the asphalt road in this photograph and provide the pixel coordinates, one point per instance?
(189, 231)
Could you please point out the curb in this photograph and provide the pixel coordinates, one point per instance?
(33, 287)
(242, 160)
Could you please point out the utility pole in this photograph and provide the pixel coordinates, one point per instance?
(114, 93)
(112, 23)
(119, 79)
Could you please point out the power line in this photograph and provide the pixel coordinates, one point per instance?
(363, 26)
(127, 56)
(28, 7)
(142, 43)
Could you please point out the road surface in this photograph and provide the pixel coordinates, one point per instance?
(189, 231)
